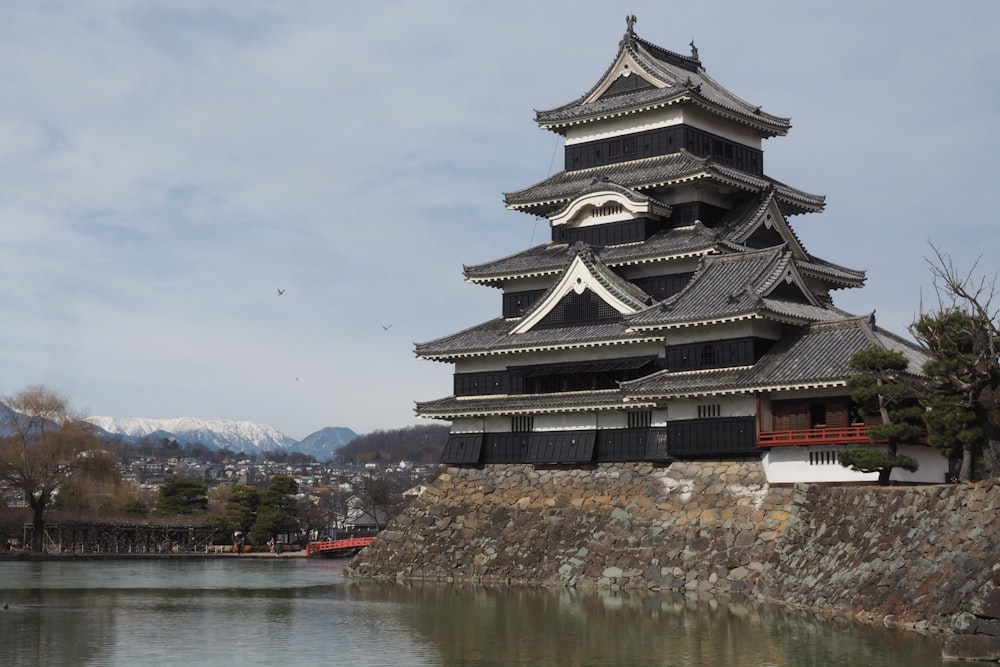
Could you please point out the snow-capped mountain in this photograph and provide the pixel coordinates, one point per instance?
(240, 436)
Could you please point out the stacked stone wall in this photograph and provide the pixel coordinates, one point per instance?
(690, 526)
(914, 556)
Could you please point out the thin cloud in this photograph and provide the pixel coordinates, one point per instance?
(166, 165)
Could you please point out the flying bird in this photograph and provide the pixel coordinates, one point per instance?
(386, 327)
(280, 291)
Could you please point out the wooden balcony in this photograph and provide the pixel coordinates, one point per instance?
(821, 435)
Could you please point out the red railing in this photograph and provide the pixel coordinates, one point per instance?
(334, 546)
(846, 435)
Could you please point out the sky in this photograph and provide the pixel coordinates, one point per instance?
(167, 166)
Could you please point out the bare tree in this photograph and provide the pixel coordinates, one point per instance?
(41, 450)
(963, 338)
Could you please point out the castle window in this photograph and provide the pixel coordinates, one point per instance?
(824, 458)
(706, 410)
(522, 423)
(707, 356)
(640, 418)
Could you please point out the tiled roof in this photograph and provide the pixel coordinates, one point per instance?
(482, 406)
(493, 337)
(554, 257)
(653, 172)
(818, 356)
(832, 272)
(684, 81)
(734, 286)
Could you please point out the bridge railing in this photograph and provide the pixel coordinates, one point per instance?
(334, 545)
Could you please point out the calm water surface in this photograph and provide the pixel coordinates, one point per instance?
(295, 612)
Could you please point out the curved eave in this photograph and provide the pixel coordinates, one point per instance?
(643, 396)
(540, 347)
(768, 126)
(489, 280)
(839, 277)
(790, 200)
(690, 324)
(770, 315)
(802, 201)
(455, 407)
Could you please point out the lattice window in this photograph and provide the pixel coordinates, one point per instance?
(824, 458)
(706, 410)
(522, 423)
(640, 418)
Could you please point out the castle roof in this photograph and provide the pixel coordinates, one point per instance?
(644, 76)
(494, 338)
(817, 356)
(652, 173)
(738, 286)
(453, 407)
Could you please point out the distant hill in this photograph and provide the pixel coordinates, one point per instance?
(324, 444)
(417, 444)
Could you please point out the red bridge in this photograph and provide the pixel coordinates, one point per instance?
(345, 547)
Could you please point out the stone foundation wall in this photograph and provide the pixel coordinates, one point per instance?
(690, 526)
(916, 556)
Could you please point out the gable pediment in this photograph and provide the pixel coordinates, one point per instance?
(626, 75)
(625, 84)
(785, 282)
(606, 202)
(588, 285)
(767, 227)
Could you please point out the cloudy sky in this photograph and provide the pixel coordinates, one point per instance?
(166, 166)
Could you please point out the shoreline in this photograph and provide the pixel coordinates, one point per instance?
(188, 555)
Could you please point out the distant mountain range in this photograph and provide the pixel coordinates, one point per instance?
(239, 436)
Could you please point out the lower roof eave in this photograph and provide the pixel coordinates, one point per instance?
(690, 324)
(454, 412)
(468, 354)
(653, 395)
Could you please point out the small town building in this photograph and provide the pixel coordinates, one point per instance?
(673, 313)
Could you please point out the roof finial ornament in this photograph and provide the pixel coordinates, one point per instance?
(630, 24)
(694, 50)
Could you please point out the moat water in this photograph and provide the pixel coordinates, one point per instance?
(299, 612)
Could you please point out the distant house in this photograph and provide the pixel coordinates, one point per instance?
(673, 313)
(366, 521)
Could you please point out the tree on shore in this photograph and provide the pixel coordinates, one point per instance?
(277, 510)
(963, 337)
(882, 387)
(240, 513)
(42, 449)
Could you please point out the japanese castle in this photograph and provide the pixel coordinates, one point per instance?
(674, 314)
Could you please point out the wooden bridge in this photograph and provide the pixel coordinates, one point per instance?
(339, 548)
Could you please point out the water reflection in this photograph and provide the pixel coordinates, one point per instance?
(266, 611)
(488, 626)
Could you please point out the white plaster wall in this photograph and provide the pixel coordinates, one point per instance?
(789, 465)
(467, 425)
(737, 329)
(566, 422)
(631, 124)
(664, 117)
(731, 406)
